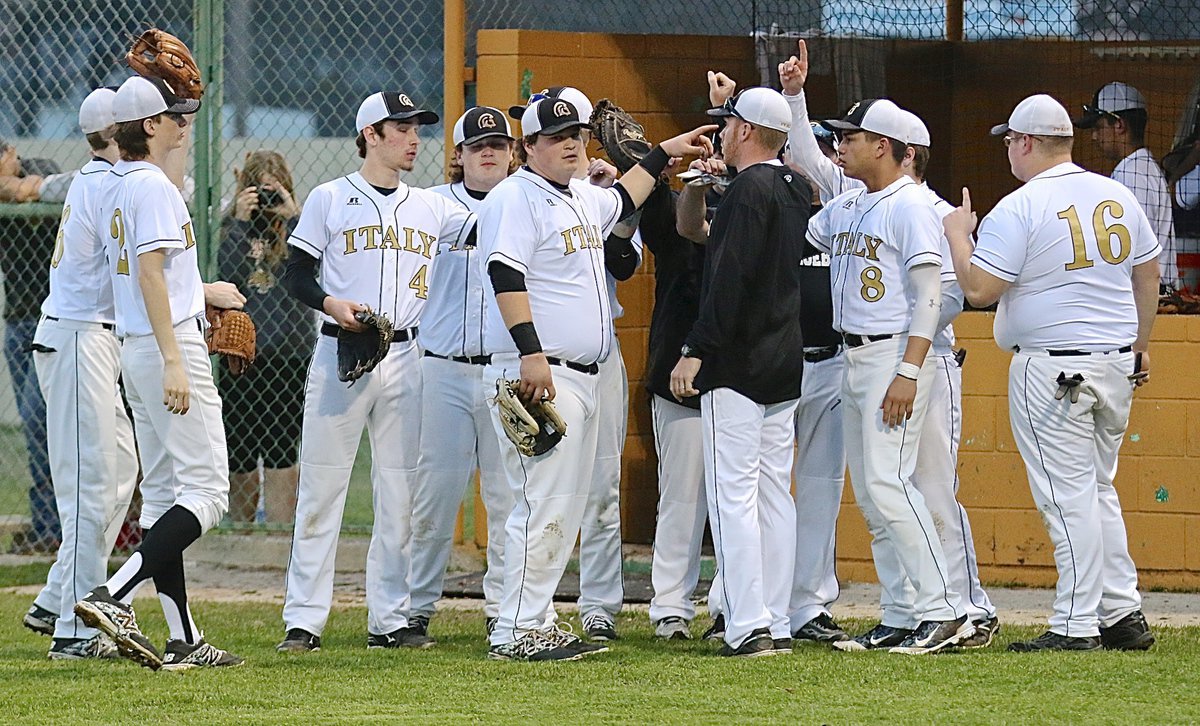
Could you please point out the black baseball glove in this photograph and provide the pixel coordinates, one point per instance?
(359, 353)
(623, 138)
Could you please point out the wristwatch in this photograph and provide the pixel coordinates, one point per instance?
(688, 351)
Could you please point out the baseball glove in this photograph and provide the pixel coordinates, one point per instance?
(359, 353)
(534, 428)
(623, 138)
(158, 54)
(231, 335)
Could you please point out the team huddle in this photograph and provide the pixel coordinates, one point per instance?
(806, 282)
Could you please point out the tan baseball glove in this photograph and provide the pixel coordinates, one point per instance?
(158, 54)
(534, 428)
(231, 335)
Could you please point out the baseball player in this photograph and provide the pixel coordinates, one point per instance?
(159, 301)
(1117, 117)
(374, 238)
(88, 433)
(885, 243)
(542, 238)
(1073, 261)
(456, 429)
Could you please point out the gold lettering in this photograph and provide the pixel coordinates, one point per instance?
(427, 242)
(350, 248)
(873, 244)
(390, 241)
(188, 237)
(566, 235)
(371, 232)
(409, 240)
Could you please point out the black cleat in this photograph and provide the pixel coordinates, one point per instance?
(98, 609)
(39, 620)
(599, 627)
(985, 631)
(716, 631)
(758, 643)
(821, 629)
(934, 635)
(1129, 633)
(299, 640)
(879, 637)
(410, 636)
(1054, 641)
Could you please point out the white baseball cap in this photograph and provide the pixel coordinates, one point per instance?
(140, 97)
(576, 97)
(918, 133)
(392, 105)
(760, 106)
(96, 111)
(1038, 115)
(877, 115)
(549, 116)
(481, 122)
(1110, 100)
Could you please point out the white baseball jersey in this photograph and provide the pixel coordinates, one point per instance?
(360, 235)
(874, 238)
(1141, 174)
(80, 281)
(554, 237)
(141, 211)
(1069, 250)
(943, 339)
(452, 322)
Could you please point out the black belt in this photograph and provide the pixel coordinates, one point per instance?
(591, 368)
(855, 341)
(106, 326)
(475, 360)
(816, 355)
(400, 336)
(1066, 353)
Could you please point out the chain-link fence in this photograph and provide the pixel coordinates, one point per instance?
(287, 79)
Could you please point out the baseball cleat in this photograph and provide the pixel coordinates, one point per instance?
(821, 629)
(410, 636)
(599, 626)
(99, 646)
(1054, 641)
(783, 645)
(672, 628)
(716, 631)
(299, 640)
(115, 619)
(39, 620)
(181, 656)
(553, 643)
(879, 637)
(985, 631)
(934, 635)
(757, 644)
(419, 624)
(490, 624)
(1129, 633)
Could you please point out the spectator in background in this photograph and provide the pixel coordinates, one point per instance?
(1117, 117)
(26, 245)
(262, 407)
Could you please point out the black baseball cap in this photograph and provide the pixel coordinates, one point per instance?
(391, 105)
(481, 122)
(551, 116)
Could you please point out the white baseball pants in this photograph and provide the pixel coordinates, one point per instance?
(748, 450)
(1070, 452)
(904, 542)
(387, 401)
(682, 509)
(456, 438)
(818, 476)
(549, 495)
(92, 458)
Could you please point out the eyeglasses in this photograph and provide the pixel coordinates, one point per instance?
(1008, 140)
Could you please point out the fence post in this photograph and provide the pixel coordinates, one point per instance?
(454, 103)
(209, 24)
(954, 20)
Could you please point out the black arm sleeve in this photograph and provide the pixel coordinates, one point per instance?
(627, 205)
(300, 279)
(620, 258)
(505, 278)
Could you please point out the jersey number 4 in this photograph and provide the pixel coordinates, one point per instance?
(1104, 234)
(418, 284)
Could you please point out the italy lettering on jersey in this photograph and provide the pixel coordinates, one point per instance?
(452, 322)
(376, 249)
(1068, 241)
(556, 239)
(80, 282)
(141, 211)
(873, 239)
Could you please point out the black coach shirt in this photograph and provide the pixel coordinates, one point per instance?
(748, 331)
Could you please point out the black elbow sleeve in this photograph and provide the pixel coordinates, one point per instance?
(505, 278)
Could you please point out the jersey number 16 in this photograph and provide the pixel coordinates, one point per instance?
(1104, 232)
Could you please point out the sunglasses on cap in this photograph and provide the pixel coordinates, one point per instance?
(729, 107)
(1093, 111)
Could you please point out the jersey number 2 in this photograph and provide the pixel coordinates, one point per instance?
(1104, 235)
(59, 249)
(116, 229)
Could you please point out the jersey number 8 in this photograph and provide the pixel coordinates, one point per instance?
(872, 284)
(1104, 235)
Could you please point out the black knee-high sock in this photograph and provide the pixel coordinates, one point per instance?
(172, 593)
(174, 531)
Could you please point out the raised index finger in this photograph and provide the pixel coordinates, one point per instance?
(966, 199)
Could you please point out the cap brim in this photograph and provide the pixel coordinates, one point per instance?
(488, 135)
(552, 130)
(719, 112)
(184, 106)
(1000, 129)
(837, 124)
(1087, 121)
(421, 116)
(516, 112)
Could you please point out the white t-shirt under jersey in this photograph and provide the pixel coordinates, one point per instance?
(141, 211)
(1067, 240)
(874, 239)
(556, 239)
(80, 281)
(452, 322)
(376, 249)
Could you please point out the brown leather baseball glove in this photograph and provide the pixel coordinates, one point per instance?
(231, 335)
(158, 54)
(623, 138)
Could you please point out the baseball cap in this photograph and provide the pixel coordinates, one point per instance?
(918, 133)
(550, 116)
(1110, 100)
(824, 135)
(96, 111)
(567, 93)
(877, 115)
(481, 122)
(390, 105)
(760, 106)
(1039, 115)
(141, 97)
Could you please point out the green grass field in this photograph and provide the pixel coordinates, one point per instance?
(639, 681)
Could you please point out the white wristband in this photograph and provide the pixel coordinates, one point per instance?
(908, 370)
